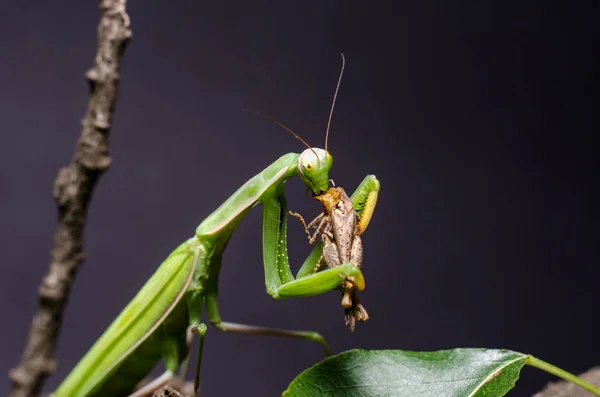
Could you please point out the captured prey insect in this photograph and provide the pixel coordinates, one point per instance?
(161, 320)
(340, 227)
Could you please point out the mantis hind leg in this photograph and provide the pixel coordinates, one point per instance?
(212, 308)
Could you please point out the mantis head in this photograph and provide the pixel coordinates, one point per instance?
(313, 167)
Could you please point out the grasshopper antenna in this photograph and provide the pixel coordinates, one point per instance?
(279, 123)
(337, 88)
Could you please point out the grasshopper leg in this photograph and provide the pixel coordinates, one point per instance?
(311, 238)
(319, 263)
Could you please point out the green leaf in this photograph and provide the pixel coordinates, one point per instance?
(458, 372)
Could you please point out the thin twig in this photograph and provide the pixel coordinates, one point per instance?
(73, 188)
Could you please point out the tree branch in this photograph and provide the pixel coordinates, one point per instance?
(73, 188)
(167, 391)
(568, 389)
(177, 387)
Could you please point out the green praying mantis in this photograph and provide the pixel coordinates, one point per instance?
(161, 320)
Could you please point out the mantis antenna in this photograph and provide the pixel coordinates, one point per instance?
(337, 88)
(279, 123)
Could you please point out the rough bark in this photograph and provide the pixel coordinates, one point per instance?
(73, 188)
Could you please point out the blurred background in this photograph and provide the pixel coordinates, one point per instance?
(477, 117)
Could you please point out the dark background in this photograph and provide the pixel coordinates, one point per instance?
(477, 118)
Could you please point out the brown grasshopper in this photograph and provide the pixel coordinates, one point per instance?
(338, 228)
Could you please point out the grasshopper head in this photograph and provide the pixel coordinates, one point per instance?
(313, 166)
(333, 198)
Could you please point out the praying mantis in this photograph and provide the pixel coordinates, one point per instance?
(161, 320)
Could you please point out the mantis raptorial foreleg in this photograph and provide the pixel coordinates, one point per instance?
(279, 279)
